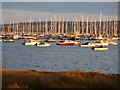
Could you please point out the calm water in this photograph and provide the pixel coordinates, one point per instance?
(58, 58)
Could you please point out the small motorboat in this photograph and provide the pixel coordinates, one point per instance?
(101, 48)
(31, 42)
(43, 44)
(101, 43)
(8, 40)
(66, 43)
(113, 43)
(87, 44)
(15, 37)
(0, 40)
(76, 42)
(51, 40)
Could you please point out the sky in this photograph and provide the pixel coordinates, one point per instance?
(22, 11)
(59, 0)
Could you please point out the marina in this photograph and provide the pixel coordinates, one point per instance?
(59, 42)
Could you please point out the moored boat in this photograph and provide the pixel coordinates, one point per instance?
(31, 42)
(51, 40)
(87, 44)
(8, 40)
(101, 48)
(66, 43)
(43, 44)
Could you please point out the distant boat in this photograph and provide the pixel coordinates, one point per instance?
(15, 37)
(30, 42)
(51, 40)
(113, 43)
(99, 38)
(0, 40)
(43, 44)
(101, 43)
(87, 44)
(8, 40)
(66, 43)
(101, 48)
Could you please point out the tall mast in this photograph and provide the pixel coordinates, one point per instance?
(66, 26)
(82, 25)
(62, 25)
(79, 26)
(103, 26)
(37, 24)
(116, 26)
(107, 31)
(17, 28)
(13, 28)
(23, 27)
(30, 26)
(55, 24)
(91, 29)
(40, 25)
(46, 27)
(86, 25)
(100, 23)
(95, 27)
(59, 26)
(74, 24)
(51, 26)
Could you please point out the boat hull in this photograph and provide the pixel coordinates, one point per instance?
(66, 44)
(101, 49)
(87, 45)
(46, 45)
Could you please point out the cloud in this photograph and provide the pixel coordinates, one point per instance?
(22, 15)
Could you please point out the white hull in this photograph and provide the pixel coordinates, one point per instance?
(87, 45)
(29, 44)
(11, 40)
(101, 44)
(44, 45)
(113, 43)
(0, 40)
(101, 49)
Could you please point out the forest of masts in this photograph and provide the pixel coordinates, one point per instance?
(82, 26)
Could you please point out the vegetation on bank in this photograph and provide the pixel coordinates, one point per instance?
(62, 79)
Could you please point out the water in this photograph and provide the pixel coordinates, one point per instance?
(58, 58)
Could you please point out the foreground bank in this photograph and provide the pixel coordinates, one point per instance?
(64, 79)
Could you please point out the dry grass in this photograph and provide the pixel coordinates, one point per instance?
(64, 79)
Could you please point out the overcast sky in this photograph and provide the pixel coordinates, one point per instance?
(22, 11)
(59, 0)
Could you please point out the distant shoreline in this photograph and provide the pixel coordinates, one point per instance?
(58, 79)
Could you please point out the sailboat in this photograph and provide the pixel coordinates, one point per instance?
(43, 44)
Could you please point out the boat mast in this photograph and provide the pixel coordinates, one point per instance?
(51, 26)
(17, 28)
(13, 28)
(100, 23)
(82, 25)
(23, 27)
(30, 26)
(95, 27)
(63, 25)
(74, 24)
(40, 25)
(91, 26)
(66, 26)
(55, 25)
(86, 25)
(46, 27)
(59, 25)
(103, 25)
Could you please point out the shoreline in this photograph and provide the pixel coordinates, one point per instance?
(61, 79)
